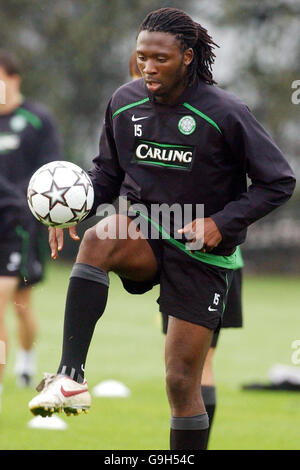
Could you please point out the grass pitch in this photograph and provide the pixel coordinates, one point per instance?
(128, 346)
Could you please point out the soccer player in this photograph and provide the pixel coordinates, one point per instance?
(28, 139)
(171, 137)
(232, 315)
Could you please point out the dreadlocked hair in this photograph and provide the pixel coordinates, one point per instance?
(189, 34)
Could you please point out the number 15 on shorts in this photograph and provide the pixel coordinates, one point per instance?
(216, 299)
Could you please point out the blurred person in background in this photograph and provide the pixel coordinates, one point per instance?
(28, 139)
(14, 219)
(232, 316)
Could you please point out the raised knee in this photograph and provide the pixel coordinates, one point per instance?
(89, 242)
(93, 242)
(95, 250)
(90, 236)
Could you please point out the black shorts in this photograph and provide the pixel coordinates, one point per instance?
(22, 254)
(190, 289)
(233, 315)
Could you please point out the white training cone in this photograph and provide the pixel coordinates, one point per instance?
(53, 423)
(111, 388)
(281, 373)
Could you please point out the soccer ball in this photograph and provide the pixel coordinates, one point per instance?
(60, 194)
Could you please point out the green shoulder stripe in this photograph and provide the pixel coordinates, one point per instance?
(128, 106)
(30, 117)
(202, 115)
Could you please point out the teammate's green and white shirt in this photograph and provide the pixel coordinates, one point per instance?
(28, 140)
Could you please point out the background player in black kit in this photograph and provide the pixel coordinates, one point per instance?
(14, 219)
(28, 139)
(195, 144)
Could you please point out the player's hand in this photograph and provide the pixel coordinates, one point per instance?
(56, 239)
(202, 232)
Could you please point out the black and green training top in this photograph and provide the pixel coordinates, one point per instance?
(199, 151)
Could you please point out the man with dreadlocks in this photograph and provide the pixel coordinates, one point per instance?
(172, 138)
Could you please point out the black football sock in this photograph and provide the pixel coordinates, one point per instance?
(86, 301)
(210, 401)
(189, 433)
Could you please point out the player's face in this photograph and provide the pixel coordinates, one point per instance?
(11, 82)
(162, 64)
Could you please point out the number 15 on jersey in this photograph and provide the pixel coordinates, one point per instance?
(137, 130)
